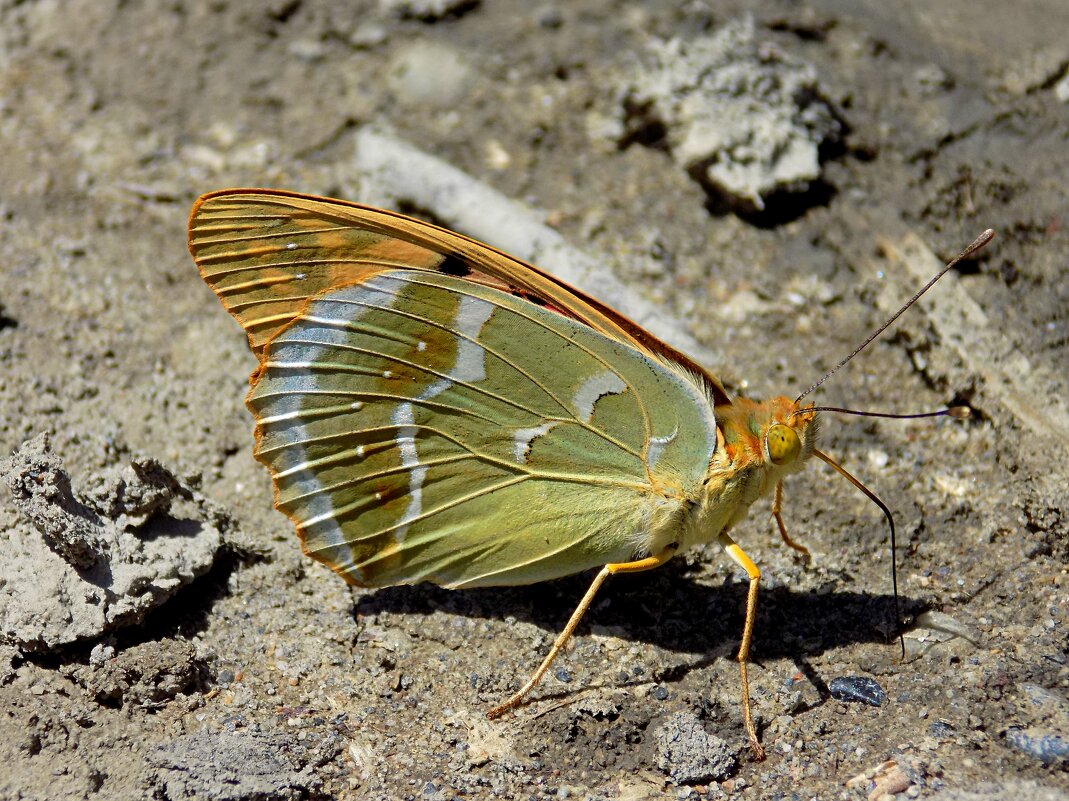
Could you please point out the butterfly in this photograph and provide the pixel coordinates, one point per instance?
(433, 409)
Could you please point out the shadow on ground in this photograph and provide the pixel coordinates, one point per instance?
(670, 610)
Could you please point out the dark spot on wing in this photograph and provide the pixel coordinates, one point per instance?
(451, 265)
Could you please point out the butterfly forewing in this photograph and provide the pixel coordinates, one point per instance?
(265, 252)
(423, 427)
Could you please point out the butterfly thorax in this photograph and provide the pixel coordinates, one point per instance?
(762, 443)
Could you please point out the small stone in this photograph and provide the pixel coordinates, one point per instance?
(101, 654)
(368, 35)
(427, 10)
(1044, 732)
(940, 729)
(931, 78)
(1048, 746)
(1061, 89)
(878, 459)
(688, 754)
(1046, 701)
(857, 690)
(429, 73)
(792, 703)
(549, 17)
(308, 50)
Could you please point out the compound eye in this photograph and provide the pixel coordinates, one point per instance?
(783, 444)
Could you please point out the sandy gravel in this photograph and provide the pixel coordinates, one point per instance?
(762, 190)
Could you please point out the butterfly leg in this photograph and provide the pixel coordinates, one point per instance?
(746, 563)
(648, 563)
(777, 503)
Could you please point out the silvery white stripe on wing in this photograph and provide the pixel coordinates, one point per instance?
(278, 418)
(321, 411)
(351, 303)
(604, 383)
(406, 444)
(470, 366)
(318, 331)
(656, 447)
(471, 358)
(523, 438)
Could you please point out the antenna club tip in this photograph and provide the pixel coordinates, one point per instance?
(959, 412)
(979, 243)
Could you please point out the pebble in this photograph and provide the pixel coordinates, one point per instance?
(429, 73)
(1048, 746)
(427, 10)
(857, 690)
(308, 50)
(689, 754)
(368, 35)
(1044, 735)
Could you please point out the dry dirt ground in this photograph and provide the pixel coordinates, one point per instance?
(198, 653)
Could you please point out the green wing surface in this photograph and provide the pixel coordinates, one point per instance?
(420, 427)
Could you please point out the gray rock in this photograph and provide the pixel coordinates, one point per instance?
(740, 115)
(689, 754)
(147, 675)
(93, 561)
(1047, 738)
(230, 767)
(1040, 743)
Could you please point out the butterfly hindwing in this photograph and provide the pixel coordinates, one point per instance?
(419, 426)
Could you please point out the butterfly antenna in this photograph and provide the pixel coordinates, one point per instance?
(957, 412)
(978, 243)
(872, 496)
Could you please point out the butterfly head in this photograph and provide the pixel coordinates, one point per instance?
(778, 433)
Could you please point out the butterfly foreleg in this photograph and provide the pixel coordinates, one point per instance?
(777, 503)
(637, 566)
(754, 574)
